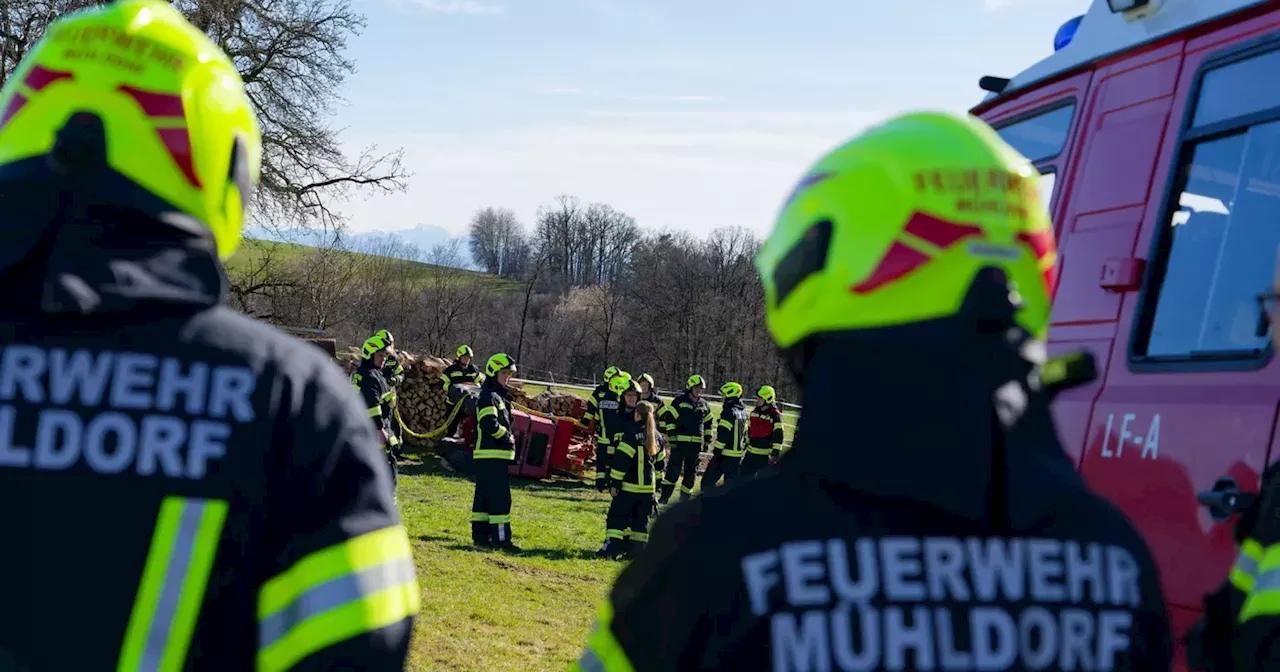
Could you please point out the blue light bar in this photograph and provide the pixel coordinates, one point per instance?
(1066, 33)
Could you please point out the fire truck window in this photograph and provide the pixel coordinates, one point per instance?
(1223, 248)
(1239, 88)
(1042, 136)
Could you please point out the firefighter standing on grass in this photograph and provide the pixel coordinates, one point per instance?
(630, 477)
(370, 380)
(462, 372)
(495, 450)
(601, 407)
(916, 260)
(239, 475)
(764, 433)
(687, 424)
(731, 438)
(393, 371)
(649, 393)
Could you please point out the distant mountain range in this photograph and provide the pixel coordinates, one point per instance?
(423, 236)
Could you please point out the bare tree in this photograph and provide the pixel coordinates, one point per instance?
(534, 274)
(258, 273)
(496, 239)
(290, 54)
(446, 295)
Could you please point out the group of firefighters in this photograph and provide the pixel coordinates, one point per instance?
(240, 515)
(638, 438)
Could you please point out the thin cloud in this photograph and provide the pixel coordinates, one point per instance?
(459, 7)
(663, 98)
(635, 98)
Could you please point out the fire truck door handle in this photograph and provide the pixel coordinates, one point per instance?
(1225, 499)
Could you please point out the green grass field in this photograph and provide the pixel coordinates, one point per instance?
(488, 611)
(789, 418)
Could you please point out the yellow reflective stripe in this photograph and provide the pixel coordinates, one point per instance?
(183, 547)
(639, 536)
(375, 411)
(387, 396)
(617, 474)
(498, 520)
(1245, 570)
(1264, 599)
(502, 431)
(759, 451)
(393, 440)
(486, 412)
(637, 487)
(358, 585)
(626, 449)
(614, 534)
(604, 653)
(726, 424)
(477, 517)
(493, 453)
(719, 444)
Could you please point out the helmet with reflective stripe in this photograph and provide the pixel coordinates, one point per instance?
(372, 346)
(892, 227)
(695, 381)
(386, 336)
(176, 118)
(609, 373)
(767, 393)
(644, 377)
(731, 390)
(620, 383)
(499, 362)
(464, 351)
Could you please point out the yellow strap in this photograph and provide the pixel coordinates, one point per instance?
(174, 579)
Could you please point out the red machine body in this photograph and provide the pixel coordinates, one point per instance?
(1151, 135)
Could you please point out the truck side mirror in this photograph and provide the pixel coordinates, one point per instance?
(1225, 499)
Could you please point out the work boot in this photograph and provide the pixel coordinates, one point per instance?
(612, 549)
(480, 533)
(507, 546)
(633, 549)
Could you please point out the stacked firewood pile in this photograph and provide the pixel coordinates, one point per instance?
(555, 403)
(421, 398)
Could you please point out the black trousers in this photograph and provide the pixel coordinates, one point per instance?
(628, 517)
(751, 463)
(602, 459)
(682, 468)
(491, 507)
(720, 466)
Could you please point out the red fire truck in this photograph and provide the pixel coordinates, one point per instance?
(1156, 126)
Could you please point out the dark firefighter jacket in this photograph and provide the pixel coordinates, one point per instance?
(393, 371)
(943, 534)
(375, 392)
(731, 429)
(1240, 629)
(494, 440)
(457, 374)
(631, 468)
(602, 408)
(686, 420)
(219, 476)
(765, 430)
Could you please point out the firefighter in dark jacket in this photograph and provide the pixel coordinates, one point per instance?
(602, 405)
(764, 433)
(371, 382)
(220, 477)
(731, 438)
(393, 371)
(495, 450)
(632, 475)
(687, 423)
(929, 504)
(458, 380)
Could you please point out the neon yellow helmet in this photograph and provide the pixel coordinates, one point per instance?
(731, 390)
(177, 120)
(609, 373)
(767, 393)
(464, 351)
(386, 336)
(891, 228)
(620, 382)
(372, 346)
(499, 362)
(695, 381)
(646, 378)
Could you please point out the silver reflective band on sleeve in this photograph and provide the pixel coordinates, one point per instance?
(1246, 564)
(1268, 580)
(332, 594)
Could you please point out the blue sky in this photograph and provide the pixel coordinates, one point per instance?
(687, 114)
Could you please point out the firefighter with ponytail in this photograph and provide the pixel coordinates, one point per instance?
(764, 434)
(632, 473)
(687, 423)
(913, 265)
(731, 438)
(495, 450)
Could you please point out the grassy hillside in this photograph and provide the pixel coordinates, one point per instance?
(251, 252)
